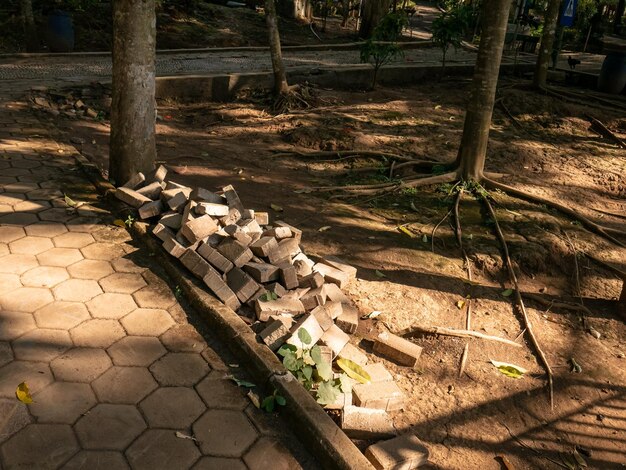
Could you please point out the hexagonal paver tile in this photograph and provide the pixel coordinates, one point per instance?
(126, 385)
(223, 463)
(40, 446)
(123, 283)
(14, 417)
(44, 194)
(97, 460)
(136, 351)
(109, 427)
(180, 369)
(11, 199)
(15, 324)
(111, 305)
(19, 219)
(84, 224)
(147, 322)
(41, 345)
(219, 392)
(4, 249)
(103, 251)
(97, 333)
(26, 299)
(36, 374)
(81, 365)
(73, 240)
(172, 407)
(26, 164)
(17, 264)
(11, 233)
(158, 448)
(61, 315)
(44, 276)
(77, 290)
(269, 453)
(15, 172)
(31, 206)
(45, 229)
(90, 269)
(149, 297)
(183, 338)
(224, 433)
(62, 403)
(62, 257)
(9, 282)
(30, 245)
(125, 265)
(57, 214)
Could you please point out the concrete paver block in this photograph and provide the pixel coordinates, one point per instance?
(56, 214)
(17, 264)
(20, 219)
(158, 448)
(172, 407)
(406, 452)
(81, 365)
(269, 453)
(9, 282)
(218, 392)
(183, 338)
(15, 324)
(61, 257)
(98, 333)
(41, 345)
(14, 418)
(147, 322)
(61, 315)
(45, 229)
(224, 433)
(180, 369)
(109, 427)
(6, 353)
(125, 265)
(77, 290)
(97, 460)
(136, 351)
(109, 305)
(90, 269)
(30, 245)
(398, 349)
(223, 463)
(73, 240)
(36, 374)
(123, 283)
(125, 385)
(26, 299)
(62, 403)
(44, 276)
(84, 224)
(103, 251)
(37, 444)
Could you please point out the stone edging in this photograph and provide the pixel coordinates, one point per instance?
(317, 431)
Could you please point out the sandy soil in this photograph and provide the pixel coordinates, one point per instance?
(468, 421)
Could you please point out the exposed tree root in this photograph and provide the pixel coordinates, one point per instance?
(297, 97)
(432, 235)
(352, 154)
(557, 303)
(375, 189)
(592, 226)
(520, 302)
(604, 131)
(576, 99)
(440, 330)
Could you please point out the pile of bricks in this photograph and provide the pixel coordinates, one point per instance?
(259, 270)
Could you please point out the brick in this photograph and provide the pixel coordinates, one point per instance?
(177, 201)
(199, 228)
(188, 212)
(381, 395)
(313, 280)
(150, 209)
(313, 298)
(275, 334)
(232, 198)
(265, 308)
(288, 276)
(332, 275)
(212, 209)
(261, 272)
(217, 238)
(290, 246)
(263, 246)
(279, 233)
(204, 195)
(262, 218)
(130, 197)
(303, 265)
(248, 214)
(327, 356)
(151, 191)
(341, 265)
(348, 321)
(221, 290)
(397, 349)
(234, 251)
(241, 284)
(174, 185)
(334, 309)
(310, 324)
(214, 257)
(322, 317)
(233, 216)
(297, 233)
(135, 181)
(378, 372)
(250, 226)
(195, 263)
(162, 232)
(403, 452)
(335, 339)
(334, 293)
(172, 220)
(276, 288)
(366, 423)
(159, 174)
(279, 254)
(354, 354)
(174, 248)
(235, 232)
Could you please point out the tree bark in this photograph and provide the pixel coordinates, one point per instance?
(619, 13)
(133, 111)
(473, 150)
(373, 12)
(280, 77)
(30, 29)
(547, 43)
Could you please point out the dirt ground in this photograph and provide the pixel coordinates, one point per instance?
(474, 420)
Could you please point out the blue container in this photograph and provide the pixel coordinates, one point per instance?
(60, 32)
(612, 77)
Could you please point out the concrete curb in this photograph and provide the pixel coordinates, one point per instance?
(317, 431)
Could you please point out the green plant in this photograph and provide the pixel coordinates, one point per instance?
(449, 28)
(129, 220)
(269, 402)
(383, 46)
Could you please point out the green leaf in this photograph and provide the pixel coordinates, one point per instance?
(506, 293)
(290, 362)
(354, 370)
(510, 370)
(281, 400)
(268, 403)
(324, 370)
(286, 349)
(316, 354)
(276, 207)
(304, 336)
(307, 371)
(344, 383)
(242, 383)
(69, 201)
(425, 238)
(327, 393)
(379, 274)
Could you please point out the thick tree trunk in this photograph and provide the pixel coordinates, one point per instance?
(133, 112)
(619, 13)
(30, 29)
(373, 12)
(547, 43)
(280, 77)
(473, 151)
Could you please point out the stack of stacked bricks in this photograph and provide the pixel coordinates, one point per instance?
(259, 270)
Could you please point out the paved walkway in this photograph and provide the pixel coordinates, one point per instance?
(114, 362)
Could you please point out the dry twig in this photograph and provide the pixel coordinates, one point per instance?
(442, 330)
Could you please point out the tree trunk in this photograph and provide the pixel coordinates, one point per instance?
(345, 12)
(30, 29)
(133, 111)
(280, 77)
(473, 151)
(373, 12)
(619, 13)
(547, 43)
